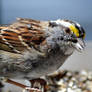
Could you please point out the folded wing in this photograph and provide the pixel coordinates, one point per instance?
(22, 35)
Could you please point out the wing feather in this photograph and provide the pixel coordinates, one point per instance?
(22, 35)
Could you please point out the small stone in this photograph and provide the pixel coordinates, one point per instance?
(82, 85)
(65, 79)
(63, 90)
(69, 74)
(78, 90)
(70, 90)
(74, 79)
(60, 82)
(75, 87)
(84, 73)
(90, 75)
(89, 85)
(70, 84)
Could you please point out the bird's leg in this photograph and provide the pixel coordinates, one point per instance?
(30, 89)
(40, 84)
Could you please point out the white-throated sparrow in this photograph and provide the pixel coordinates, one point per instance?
(31, 49)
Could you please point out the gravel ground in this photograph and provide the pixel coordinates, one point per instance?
(66, 81)
(71, 81)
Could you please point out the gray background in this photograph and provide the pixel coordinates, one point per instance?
(78, 10)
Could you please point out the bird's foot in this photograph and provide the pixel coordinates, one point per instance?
(29, 89)
(39, 83)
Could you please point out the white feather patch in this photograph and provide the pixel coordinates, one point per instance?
(62, 22)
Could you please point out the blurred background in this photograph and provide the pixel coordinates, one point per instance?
(78, 10)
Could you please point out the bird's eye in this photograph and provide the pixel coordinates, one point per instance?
(67, 30)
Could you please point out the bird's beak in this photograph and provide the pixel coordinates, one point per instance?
(80, 45)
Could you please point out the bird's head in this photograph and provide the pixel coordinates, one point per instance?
(74, 34)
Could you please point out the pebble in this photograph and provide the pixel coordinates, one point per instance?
(78, 81)
(90, 75)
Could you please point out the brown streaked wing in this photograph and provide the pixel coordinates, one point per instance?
(22, 35)
(9, 40)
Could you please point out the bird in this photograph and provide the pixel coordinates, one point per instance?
(32, 48)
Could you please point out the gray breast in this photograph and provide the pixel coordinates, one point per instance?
(34, 68)
(47, 65)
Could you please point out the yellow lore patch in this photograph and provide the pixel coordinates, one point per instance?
(74, 30)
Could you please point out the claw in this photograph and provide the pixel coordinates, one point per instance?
(31, 89)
